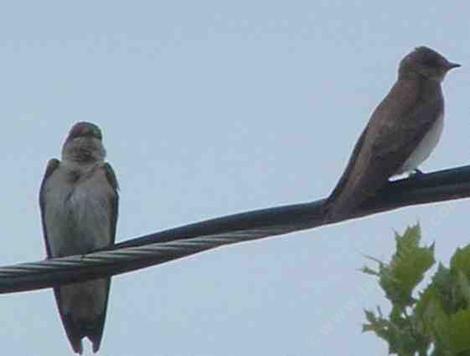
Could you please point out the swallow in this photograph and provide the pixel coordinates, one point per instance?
(402, 132)
(79, 210)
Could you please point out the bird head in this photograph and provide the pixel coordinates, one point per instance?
(84, 143)
(426, 62)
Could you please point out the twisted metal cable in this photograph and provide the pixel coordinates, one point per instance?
(47, 273)
(190, 239)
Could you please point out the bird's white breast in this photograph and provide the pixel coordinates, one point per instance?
(425, 147)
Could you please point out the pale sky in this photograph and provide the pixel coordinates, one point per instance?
(210, 108)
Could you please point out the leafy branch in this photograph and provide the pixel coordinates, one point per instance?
(432, 321)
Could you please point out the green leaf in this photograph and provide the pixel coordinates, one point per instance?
(444, 284)
(368, 270)
(399, 338)
(464, 286)
(431, 318)
(440, 317)
(375, 323)
(459, 331)
(461, 260)
(407, 268)
(460, 271)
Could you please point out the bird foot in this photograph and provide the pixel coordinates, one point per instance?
(415, 173)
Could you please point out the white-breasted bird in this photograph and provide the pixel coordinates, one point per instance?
(403, 130)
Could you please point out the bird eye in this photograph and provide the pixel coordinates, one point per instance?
(430, 61)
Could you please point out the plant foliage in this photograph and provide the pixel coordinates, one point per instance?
(431, 321)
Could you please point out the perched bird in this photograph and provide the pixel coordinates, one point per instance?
(401, 133)
(79, 210)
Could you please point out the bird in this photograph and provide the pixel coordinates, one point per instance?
(79, 209)
(401, 133)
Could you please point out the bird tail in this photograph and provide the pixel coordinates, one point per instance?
(76, 330)
(336, 206)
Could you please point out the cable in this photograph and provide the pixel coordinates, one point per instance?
(190, 239)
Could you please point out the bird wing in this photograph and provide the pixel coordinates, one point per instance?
(396, 127)
(71, 330)
(96, 333)
(52, 165)
(114, 198)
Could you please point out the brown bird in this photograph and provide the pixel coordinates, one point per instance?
(401, 133)
(79, 208)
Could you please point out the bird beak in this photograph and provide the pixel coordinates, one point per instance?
(451, 65)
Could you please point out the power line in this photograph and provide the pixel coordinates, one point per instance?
(175, 243)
